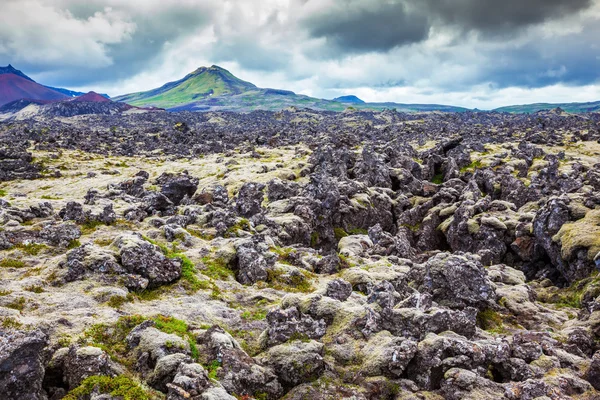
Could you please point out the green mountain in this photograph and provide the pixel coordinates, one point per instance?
(202, 84)
(574, 108)
(216, 89)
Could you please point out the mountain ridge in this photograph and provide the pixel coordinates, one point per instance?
(216, 89)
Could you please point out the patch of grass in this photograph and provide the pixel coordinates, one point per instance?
(3, 193)
(34, 289)
(5, 292)
(10, 323)
(12, 263)
(491, 321)
(112, 337)
(414, 228)
(73, 244)
(17, 304)
(188, 275)
(242, 225)
(340, 233)
(284, 254)
(212, 369)
(90, 226)
(118, 301)
(33, 249)
(254, 315)
(216, 268)
(345, 262)
(472, 167)
(103, 242)
(199, 234)
(294, 283)
(357, 231)
(438, 179)
(188, 269)
(48, 197)
(314, 239)
(119, 386)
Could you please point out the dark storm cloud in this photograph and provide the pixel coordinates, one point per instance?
(364, 27)
(492, 16)
(379, 26)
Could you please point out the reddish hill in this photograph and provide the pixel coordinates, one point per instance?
(14, 87)
(92, 97)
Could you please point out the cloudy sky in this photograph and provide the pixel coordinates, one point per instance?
(473, 53)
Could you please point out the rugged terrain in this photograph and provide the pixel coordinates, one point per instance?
(300, 254)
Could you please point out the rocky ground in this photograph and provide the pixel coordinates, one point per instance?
(300, 255)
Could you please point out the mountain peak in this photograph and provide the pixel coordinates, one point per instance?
(92, 97)
(201, 84)
(9, 69)
(349, 99)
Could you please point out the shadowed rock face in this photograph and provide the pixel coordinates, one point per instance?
(300, 254)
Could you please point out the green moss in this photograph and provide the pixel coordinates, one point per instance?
(119, 386)
(212, 368)
(314, 239)
(12, 263)
(32, 249)
(414, 228)
(216, 268)
(34, 289)
(438, 179)
(357, 231)
(17, 304)
(189, 277)
(584, 233)
(3, 193)
(345, 262)
(294, 283)
(73, 244)
(5, 292)
(284, 253)
(491, 321)
(241, 225)
(340, 233)
(48, 197)
(477, 164)
(254, 315)
(10, 323)
(118, 301)
(112, 337)
(90, 226)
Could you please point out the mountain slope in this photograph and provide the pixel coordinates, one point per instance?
(216, 89)
(17, 89)
(568, 107)
(200, 84)
(14, 87)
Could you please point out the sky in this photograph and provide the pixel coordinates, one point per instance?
(472, 53)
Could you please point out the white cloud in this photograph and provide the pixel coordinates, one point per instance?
(33, 32)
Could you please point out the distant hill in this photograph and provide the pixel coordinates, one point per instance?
(216, 89)
(574, 108)
(92, 97)
(15, 85)
(73, 93)
(349, 99)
